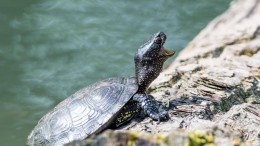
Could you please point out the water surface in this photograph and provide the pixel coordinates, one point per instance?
(50, 49)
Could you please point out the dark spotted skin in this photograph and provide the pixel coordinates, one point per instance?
(126, 114)
(149, 61)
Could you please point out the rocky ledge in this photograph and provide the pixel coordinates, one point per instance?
(211, 90)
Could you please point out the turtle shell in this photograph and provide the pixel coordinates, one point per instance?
(88, 111)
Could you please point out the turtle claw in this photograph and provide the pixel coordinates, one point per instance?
(151, 107)
(158, 115)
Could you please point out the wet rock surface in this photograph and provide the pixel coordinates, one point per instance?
(212, 89)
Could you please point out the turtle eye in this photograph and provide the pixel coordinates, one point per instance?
(158, 40)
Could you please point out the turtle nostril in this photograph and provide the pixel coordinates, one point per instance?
(158, 40)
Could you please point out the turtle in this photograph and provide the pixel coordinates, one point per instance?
(108, 103)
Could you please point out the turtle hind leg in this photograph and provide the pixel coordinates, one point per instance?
(151, 107)
(131, 109)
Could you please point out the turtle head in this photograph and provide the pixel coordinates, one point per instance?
(149, 60)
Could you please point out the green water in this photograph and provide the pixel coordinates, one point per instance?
(50, 49)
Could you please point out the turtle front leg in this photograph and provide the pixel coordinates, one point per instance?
(151, 107)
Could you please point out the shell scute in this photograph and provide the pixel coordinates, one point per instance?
(87, 111)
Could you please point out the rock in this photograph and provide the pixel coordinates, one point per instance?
(175, 138)
(212, 89)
